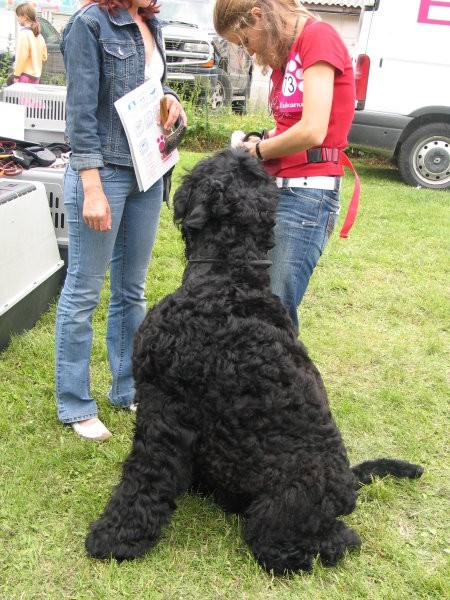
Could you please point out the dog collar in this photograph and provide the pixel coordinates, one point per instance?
(254, 263)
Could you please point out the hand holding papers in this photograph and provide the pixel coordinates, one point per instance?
(139, 111)
(174, 137)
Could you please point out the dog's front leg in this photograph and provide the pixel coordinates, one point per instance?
(156, 471)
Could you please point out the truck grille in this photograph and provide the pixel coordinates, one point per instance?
(190, 52)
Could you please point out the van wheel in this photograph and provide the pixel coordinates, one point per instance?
(424, 157)
(221, 94)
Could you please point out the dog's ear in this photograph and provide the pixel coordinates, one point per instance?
(181, 201)
(190, 201)
(189, 207)
(197, 217)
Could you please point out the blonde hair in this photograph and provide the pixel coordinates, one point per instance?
(27, 10)
(230, 16)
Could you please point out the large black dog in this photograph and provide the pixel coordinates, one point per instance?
(228, 400)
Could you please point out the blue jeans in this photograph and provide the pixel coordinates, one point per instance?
(126, 249)
(304, 220)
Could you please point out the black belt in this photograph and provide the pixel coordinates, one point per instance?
(320, 155)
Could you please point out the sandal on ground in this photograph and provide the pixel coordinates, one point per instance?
(94, 431)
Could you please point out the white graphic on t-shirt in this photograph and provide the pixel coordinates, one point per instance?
(291, 97)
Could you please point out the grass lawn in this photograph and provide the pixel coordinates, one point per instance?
(375, 320)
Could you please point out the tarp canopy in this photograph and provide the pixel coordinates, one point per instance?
(346, 3)
(64, 6)
(70, 6)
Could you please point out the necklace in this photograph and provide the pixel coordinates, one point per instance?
(274, 87)
(294, 33)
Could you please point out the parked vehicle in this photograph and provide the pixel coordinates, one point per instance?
(196, 57)
(403, 87)
(53, 68)
(190, 58)
(233, 65)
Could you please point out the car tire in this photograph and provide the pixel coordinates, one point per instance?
(221, 94)
(424, 157)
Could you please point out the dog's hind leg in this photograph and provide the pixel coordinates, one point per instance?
(287, 530)
(156, 471)
(278, 530)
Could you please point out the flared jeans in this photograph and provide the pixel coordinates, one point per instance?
(126, 249)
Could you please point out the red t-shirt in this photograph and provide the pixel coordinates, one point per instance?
(318, 41)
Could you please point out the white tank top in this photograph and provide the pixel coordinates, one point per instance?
(155, 68)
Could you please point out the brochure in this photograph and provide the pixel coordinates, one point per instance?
(139, 112)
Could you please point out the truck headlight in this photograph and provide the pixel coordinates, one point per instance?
(195, 47)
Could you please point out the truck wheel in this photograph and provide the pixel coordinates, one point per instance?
(424, 157)
(221, 94)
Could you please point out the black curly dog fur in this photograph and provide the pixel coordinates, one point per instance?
(228, 400)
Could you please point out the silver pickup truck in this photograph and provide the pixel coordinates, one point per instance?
(231, 66)
(190, 58)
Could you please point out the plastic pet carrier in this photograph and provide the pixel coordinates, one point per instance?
(30, 264)
(53, 180)
(45, 117)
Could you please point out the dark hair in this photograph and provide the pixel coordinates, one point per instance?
(113, 5)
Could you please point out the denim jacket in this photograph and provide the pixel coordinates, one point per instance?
(104, 57)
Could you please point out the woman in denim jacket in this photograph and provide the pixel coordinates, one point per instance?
(110, 47)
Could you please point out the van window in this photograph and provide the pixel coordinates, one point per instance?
(49, 33)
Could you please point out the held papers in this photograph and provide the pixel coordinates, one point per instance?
(139, 111)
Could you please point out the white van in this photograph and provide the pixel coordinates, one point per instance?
(402, 64)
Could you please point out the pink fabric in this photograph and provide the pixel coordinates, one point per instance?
(28, 79)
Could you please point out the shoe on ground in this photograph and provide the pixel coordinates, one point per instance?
(133, 407)
(93, 430)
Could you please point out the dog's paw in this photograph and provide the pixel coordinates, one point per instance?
(286, 563)
(106, 542)
(338, 540)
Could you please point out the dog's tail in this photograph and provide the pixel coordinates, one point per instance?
(365, 471)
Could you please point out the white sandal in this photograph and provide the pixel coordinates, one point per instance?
(95, 431)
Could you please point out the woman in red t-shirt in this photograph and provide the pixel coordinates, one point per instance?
(312, 99)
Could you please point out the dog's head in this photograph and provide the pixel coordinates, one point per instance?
(227, 192)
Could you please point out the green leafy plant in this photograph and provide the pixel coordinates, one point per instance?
(6, 66)
(53, 79)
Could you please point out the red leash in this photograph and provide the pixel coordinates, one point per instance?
(354, 201)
